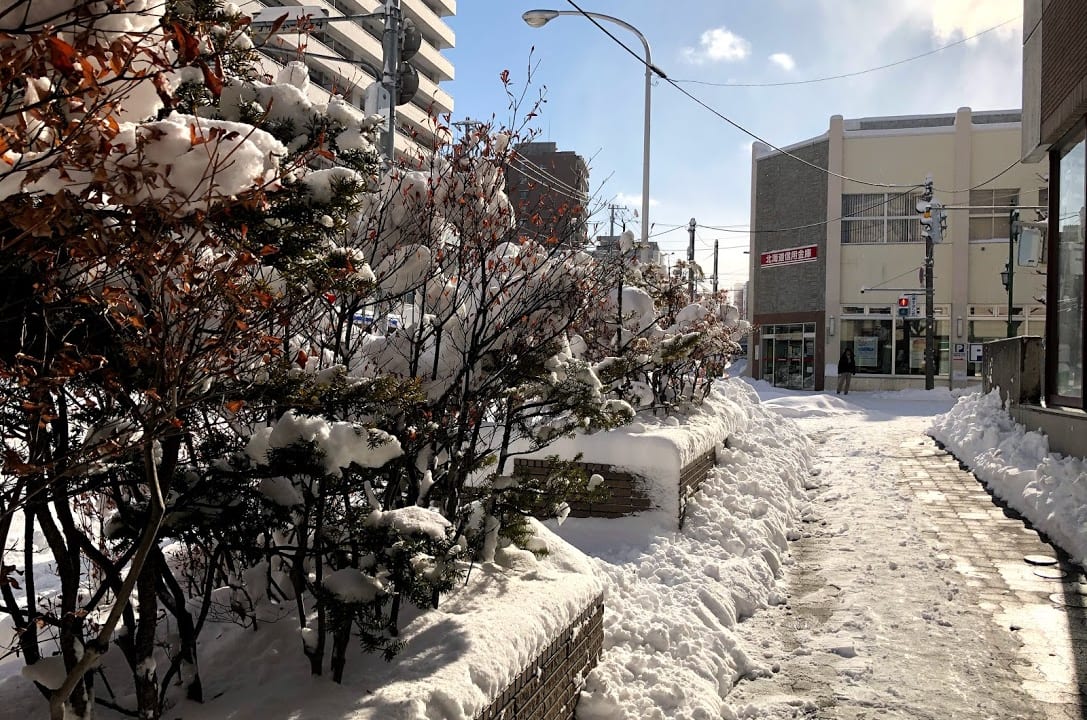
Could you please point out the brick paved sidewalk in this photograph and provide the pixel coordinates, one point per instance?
(1043, 606)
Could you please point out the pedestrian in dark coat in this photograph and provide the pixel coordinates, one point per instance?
(847, 365)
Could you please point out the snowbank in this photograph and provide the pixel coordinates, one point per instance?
(657, 448)
(456, 659)
(1048, 489)
(672, 600)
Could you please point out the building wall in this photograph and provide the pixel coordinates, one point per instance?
(1064, 67)
(360, 43)
(549, 189)
(960, 151)
(789, 194)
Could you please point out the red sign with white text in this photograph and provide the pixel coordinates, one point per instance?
(789, 256)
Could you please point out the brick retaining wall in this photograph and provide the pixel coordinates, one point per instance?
(626, 495)
(691, 478)
(549, 687)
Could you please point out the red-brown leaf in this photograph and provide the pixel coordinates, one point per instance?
(188, 47)
(62, 55)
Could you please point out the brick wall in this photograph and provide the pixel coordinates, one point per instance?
(790, 194)
(1064, 65)
(549, 687)
(626, 495)
(691, 477)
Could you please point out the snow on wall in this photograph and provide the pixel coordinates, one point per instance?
(654, 448)
(456, 659)
(1047, 488)
(673, 599)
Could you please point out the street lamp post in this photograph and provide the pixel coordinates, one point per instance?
(1008, 276)
(539, 18)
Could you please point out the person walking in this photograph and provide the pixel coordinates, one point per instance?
(847, 365)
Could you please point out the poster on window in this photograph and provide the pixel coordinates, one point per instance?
(866, 351)
(917, 353)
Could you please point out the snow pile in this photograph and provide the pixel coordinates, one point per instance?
(1048, 489)
(657, 448)
(411, 520)
(672, 605)
(340, 443)
(455, 661)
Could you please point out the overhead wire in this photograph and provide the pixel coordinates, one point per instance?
(558, 186)
(820, 223)
(683, 91)
(523, 161)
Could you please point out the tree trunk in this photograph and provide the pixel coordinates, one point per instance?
(145, 674)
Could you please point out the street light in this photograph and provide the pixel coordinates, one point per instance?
(539, 18)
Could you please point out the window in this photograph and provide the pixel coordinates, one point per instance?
(880, 218)
(871, 342)
(887, 345)
(989, 212)
(1064, 361)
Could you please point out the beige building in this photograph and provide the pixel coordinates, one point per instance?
(345, 57)
(832, 252)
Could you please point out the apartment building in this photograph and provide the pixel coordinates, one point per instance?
(836, 242)
(549, 189)
(346, 57)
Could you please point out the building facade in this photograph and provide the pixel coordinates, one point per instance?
(836, 241)
(345, 58)
(549, 189)
(1055, 137)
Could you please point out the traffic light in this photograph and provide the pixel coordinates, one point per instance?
(407, 76)
(925, 208)
(904, 305)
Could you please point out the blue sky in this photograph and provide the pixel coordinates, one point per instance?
(700, 166)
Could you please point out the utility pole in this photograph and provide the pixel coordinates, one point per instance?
(390, 75)
(691, 227)
(924, 206)
(715, 250)
(1013, 234)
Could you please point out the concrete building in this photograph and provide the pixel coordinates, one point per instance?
(358, 43)
(737, 296)
(549, 189)
(1049, 394)
(836, 241)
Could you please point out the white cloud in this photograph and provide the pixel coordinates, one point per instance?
(633, 201)
(784, 61)
(954, 19)
(717, 45)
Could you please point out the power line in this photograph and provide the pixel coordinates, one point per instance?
(858, 72)
(556, 186)
(660, 73)
(523, 162)
(821, 223)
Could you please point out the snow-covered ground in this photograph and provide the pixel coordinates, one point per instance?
(726, 618)
(881, 620)
(673, 600)
(1048, 489)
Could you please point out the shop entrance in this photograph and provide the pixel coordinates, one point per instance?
(788, 353)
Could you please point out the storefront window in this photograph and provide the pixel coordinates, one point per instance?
(893, 346)
(1067, 363)
(910, 347)
(871, 342)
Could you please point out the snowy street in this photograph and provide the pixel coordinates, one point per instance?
(908, 593)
